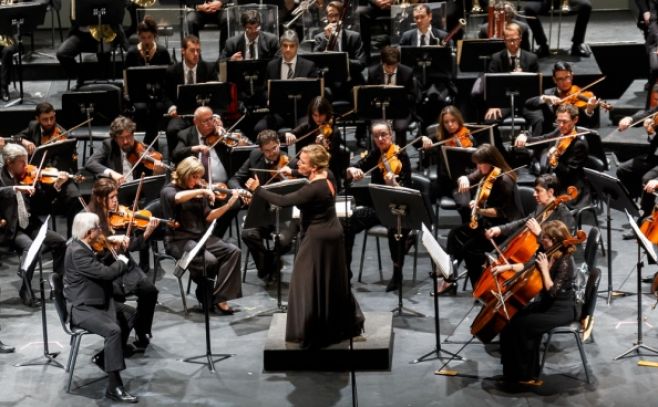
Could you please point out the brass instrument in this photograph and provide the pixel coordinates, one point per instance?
(477, 8)
(7, 40)
(299, 11)
(496, 19)
(103, 32)
(564, 6)
(460, 24)
(144, 3)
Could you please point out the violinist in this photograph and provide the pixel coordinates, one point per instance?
(118, 155)
(319, 128)
(268, 156)
(195, 141)
(547, 103)
(495, 202)
(567, 156)
(21, 226)
(104, 202)
(88, 293)
(63, 194)
(521, 338)
(364, 217)
(183, 201)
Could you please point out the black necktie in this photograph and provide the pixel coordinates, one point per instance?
(513, 63)
(389, 77)
(422, 40)
(252, 50)
(291, 73)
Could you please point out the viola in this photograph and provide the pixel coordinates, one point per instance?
(121, 218)
(149, 158)
(515, 293)
(483, 192)
(47, 175)
(578, 97)
(559, 149)
(518, 248)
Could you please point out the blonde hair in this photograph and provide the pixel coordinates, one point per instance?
(185, 169)
(318, 156)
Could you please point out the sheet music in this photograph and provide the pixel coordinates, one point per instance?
(185, 261)
(648, 246)
(340, 210)
(35, 246)
(436, 252)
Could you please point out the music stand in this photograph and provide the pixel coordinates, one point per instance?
(360, 191)
(145, 84)
(248, 76)
(399, 208)
(216, 95)
(25, 16)
(285, 96)
(150, 190)
(503, 88)
(237, 156)
(181, 266)
(384, 102)
(616, 197)
(441, 261)
(60, 155)
(430, 63)
(642, 243)
(334, 67)
(470, 53)
(34, 254)
(458, 160)
(263, 214)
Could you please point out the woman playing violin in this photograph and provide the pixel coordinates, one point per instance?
(104, 201)
(499, 206)
(183, 201)
(521, 338)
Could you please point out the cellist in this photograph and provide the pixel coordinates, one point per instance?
(556, 306)
(502, 205)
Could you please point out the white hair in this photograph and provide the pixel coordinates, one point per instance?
(83, 223)
(12, 151)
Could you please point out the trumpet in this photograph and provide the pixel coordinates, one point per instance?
(103, 32)
(299, 11)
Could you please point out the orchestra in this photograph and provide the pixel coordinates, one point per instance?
(497, 240)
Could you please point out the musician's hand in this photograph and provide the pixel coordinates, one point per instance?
(25, 189)
(329, 29)
(29, 146)
(462, 184)
(651, 186)
(533, 226)
(542, 262)
(591, 105)
(158, 167)
(290, 138)
(234, 198)
(646, 17)
(383, 4)
(252, 184)
(237, 56)
(493, 113)
(648, 126)
(210, 195)
(354, 173)
(214, 6)
(201, 148)
(550, 99)
(624, 123)
(2, 142)
(520, 141)
(117, 177)
(172, 112)
(427, 142)
(492, 232)
(61, 179)
(246, 199)
(285, 171)
(391, 179)
(472, 204)
(151, 226)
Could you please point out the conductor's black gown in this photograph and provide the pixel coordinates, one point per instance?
(321, 307)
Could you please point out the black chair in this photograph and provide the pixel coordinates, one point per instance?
(527, 197)
(591, 246)
(76, 334)
(584, 323)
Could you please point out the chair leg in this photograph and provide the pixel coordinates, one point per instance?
(246, 262)
(583, 357)
(379, 258)
(543, 359)
(182, 293)
(415, 256)
(363, 254)
(189, 284)
(73, 357)
(67, 368)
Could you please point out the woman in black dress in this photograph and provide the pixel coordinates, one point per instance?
(521, 338)
(321, 307)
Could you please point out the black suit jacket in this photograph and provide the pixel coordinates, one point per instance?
(405, 77)
(176, 76)
(188, 138)
(87, 281)
(256, 159)
(500, 62)
(303, 69)
(350, 42)
(33, 132)
(109, 156)
(410, 38)
(268, 46)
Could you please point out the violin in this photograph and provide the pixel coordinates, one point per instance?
(579, 98)
(221, 192)
(389, 161)
(120, 218)
(559, 149)
(228, 139)
(149, 158)
(48, 175)
(56, 135)
(483, 192)
(462, 138)
(99, 244)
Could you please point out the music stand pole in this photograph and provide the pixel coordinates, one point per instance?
(19, 101)
(512, 95)
(399, 211)
(277, 248)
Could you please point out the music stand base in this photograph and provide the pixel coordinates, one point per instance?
(50, 361)
(636, 348)
(609, 294)
(210, 359)
(435, 355)
(406, 312)
(281, 309)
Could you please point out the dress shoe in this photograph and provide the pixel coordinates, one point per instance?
(6, 348)
(447, 287)
(630, 235)
(4, 94)
(226, 311)
(121, 395)
(393, 285)
(99, 360)
(542, 51)
(140, 345)
(28, 299)
(580, 50)
(531, 383)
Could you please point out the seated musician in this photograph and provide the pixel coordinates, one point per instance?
(253, 44)
(368, 15)
(553, 97)
(105, 203)
(80, 39)
(521, 338)
(567, 156)
(62, 195)
(391, 72)
(190, 205)
(424, 34)
(192, 69)
(148, 52)
(8, 49)
(207, 12)
(363, 218)
(319, 128)
(88, 290)
(481, 211)
(196, 141)
(22, 227)
(268, 156)
(511, 16)
(583, 9)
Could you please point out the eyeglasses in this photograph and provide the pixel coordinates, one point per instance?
(512, 40)
(562, 122)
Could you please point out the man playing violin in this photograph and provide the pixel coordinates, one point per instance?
(22, 227)
(120, 154)
(268, 156)
(365, 217)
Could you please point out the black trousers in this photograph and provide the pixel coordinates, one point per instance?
(196, 21)
(53, 241)
(135, 282)
(79, 42)
(583, 8)
(6, 59)
(65, 202)
(469, 245)
(112, 323)
(266, 259)
(634, 174)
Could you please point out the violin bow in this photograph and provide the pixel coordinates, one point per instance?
(365, 174)
(230, 129)
(649, 116)
(66, 132)
(141, 157)
(500, 175)
(481, 129)
(584, 88)
(129, 229)
(36, 177)
(331, 122)
(535, 143)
